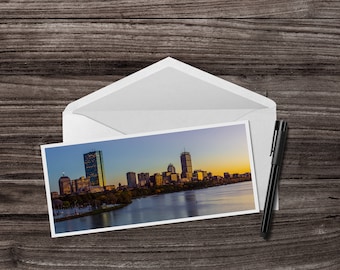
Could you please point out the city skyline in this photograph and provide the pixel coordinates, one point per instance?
(216, 150)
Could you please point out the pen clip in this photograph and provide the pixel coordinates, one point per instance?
(274, 137)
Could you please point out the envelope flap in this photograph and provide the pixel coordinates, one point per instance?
(170, 89)
(170, 85)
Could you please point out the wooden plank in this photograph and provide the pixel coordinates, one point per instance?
(170, 9)
(194, 245)
(25, 197)
(119, 47)
(6, 253)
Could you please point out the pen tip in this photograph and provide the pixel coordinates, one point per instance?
(264, 235)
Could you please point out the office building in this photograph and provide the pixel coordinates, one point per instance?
(96, 189)
(94, 168)
(198, 175)
(82, 184)
(73, 186)
(131, 179)
(143, 179)
(158, 179)
(171, 168)
(186, 165)
(166, 177)
(174, 177)
(65, 185)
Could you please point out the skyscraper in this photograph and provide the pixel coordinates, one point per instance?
(131, 179)
(94, 168)
(186, 165)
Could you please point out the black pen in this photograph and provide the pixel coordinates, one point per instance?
(277, 150)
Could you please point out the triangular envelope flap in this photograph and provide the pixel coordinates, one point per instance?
(170, 89)
(169, 84)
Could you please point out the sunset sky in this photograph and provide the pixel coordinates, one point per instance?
(216, 150)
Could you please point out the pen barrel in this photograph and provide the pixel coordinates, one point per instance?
(269, 204)
(280, 143)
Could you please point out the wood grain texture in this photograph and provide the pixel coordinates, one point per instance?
(230, 47)
(55, 52)
(170, 9)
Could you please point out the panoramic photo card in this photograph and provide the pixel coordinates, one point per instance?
(150, 179)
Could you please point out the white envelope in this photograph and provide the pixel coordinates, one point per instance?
(168, 95)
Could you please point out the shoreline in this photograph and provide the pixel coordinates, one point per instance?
(196, 187)
(94, 212)
(134, 213)
(103, 210)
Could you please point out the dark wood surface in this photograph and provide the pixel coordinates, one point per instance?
(54, 52)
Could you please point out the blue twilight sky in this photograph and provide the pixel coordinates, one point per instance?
(216, 150)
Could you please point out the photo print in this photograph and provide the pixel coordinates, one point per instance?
(150, 179)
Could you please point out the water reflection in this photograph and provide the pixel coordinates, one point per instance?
(191, 203)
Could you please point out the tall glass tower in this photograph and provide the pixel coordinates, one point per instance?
(94, 168)
(186, 165)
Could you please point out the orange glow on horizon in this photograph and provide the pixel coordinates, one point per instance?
(219, 171)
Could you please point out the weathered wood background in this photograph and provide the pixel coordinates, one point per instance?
(54, 52)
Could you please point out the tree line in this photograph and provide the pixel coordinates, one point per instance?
(125, 196)
(93, 199)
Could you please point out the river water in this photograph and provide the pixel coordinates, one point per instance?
(183, 204)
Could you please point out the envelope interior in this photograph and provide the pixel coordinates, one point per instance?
(168, 98)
